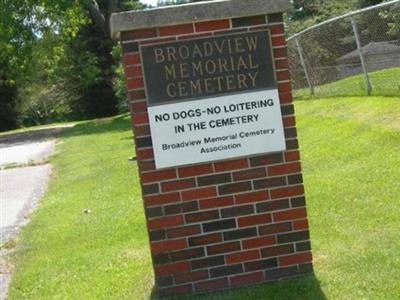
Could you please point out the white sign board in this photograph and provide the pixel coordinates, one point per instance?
(216, 128)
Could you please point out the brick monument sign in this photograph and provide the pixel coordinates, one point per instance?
(215, 135)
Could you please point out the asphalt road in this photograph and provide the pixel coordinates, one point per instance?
(21, 188)
(26, 153)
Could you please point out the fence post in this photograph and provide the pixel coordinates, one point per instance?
(303, 63)
(364, 67)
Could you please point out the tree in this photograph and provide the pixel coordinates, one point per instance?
(8, 93)
(88, 64)
(305, 13)
(99, 96)
(392, 18)
(23, 24)
(304, 8)
(56, 55)
(13, 33)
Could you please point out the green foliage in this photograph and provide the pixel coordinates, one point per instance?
(87, 66)
(8, 93)
(366, 3)
(24, 24)
(119, 81)
(302, 9)
(15, 41)
(41, 98)
(58, 55)
(305, 13)
(393, 20)
(43, 105)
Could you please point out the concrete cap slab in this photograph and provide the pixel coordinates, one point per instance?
(193, 12)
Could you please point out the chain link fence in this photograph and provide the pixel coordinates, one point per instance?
(355, 54)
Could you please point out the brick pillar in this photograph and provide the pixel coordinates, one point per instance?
(220, 224)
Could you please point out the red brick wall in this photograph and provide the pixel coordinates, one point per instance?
(228, 223)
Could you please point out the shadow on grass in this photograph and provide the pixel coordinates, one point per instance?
(99, 126)
(307, 288)
(33, 136)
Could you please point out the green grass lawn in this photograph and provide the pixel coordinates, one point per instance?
(351, 160)
(384, 83)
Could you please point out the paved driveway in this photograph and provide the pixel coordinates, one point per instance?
(26, 153)
(21, 188)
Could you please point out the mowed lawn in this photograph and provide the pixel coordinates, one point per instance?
(88, 238)
(384, 83)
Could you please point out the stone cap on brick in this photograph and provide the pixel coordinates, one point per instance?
(193, 12)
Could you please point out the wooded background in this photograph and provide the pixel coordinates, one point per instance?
(59, 63)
